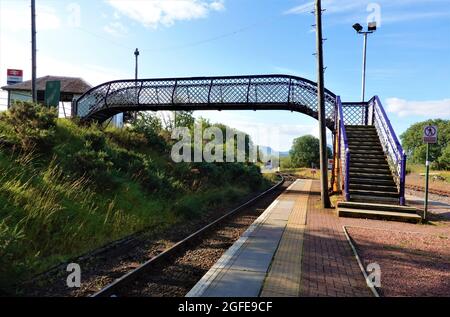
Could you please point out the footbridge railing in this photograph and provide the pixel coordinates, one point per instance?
(392, 148)
(343, 149)
(258, 92)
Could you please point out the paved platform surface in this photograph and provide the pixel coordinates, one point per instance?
(242, 270)
(296, 248)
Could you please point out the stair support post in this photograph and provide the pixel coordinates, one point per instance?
(402, 180)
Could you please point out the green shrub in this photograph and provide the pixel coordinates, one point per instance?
(31, 126)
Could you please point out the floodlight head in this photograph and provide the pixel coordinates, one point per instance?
(372, 26)
(358, 27)
(136, 52)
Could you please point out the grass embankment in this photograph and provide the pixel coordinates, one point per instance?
(66, 189)
(304, 173)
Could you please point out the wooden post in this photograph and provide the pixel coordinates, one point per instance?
(321, 109)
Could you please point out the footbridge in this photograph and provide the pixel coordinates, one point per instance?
(369, 163)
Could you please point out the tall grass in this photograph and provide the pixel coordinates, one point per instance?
(85, 187)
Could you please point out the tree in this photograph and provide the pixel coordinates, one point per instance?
(305, 151)
(416, 150)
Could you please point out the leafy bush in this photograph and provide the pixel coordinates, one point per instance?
(33, 126)
(415, 149)
(94, 164)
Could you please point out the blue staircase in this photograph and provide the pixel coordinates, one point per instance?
(370, 163)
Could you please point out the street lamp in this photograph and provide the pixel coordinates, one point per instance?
(136, 54)
(371, 28)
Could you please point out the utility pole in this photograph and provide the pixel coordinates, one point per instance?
(321, 109)
(33, 51)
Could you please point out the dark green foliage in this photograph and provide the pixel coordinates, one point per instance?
(414, 147)
(31, 127)
(305, 152)
(88, 187)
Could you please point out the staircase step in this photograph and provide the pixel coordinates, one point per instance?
(354, 175)
(373, 159)
(368, 161)
(357, 141)
(368, 181)
(380, 156)
(379, 215)
(362, 164)
(379, 207)
(367, 152)
(373, 193)
(384, 171)
(366, 147)
(372, 187)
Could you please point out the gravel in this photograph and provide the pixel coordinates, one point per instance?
(99, 269)
(412, 263)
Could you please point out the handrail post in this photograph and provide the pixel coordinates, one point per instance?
(366, 114)
(402, 180)
(347, 175)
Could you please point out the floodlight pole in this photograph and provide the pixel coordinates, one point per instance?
(136, 54)
(364, 66)
(363, 93)
(321, 109)
(33, 51)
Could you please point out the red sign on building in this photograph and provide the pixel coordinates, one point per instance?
(14, 76)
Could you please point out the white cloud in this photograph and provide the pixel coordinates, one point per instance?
(116, 29)
(399, 11)
(16, 17)
(428, 109)
(165, 12)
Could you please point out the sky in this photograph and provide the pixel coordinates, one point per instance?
(408, 61)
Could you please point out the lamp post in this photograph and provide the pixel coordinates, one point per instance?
(136, 54)
(371, 28)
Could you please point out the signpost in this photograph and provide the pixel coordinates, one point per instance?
(14, 76)
(430, 134)
(52, 93)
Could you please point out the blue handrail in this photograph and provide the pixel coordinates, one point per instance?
(345, 157)
(388, 134)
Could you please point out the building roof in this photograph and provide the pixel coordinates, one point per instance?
(70, 85)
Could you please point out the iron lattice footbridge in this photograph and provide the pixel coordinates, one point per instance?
(264, 92)
(369, 162)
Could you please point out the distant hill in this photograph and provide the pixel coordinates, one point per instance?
(268, 151)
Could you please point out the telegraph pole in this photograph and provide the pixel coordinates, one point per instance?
(33, 51)
(321, 109)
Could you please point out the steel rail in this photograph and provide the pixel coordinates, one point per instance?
(129, 277)
(430, 190)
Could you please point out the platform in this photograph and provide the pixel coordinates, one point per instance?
(266, 260)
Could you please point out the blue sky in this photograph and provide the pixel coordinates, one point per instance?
(408, 57)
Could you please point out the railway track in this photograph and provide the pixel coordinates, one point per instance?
(430, 190)
(176, 270)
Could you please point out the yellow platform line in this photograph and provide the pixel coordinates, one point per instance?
(283, 278)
